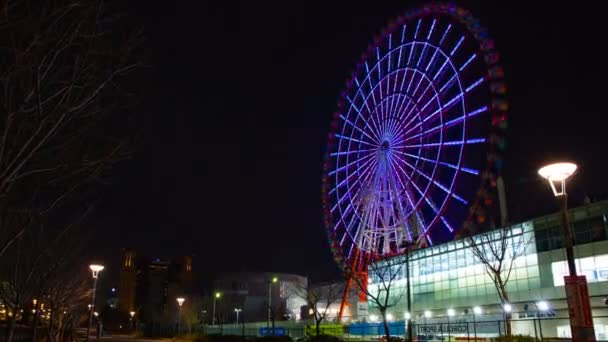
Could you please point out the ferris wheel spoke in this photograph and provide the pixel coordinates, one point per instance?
(446, 224)
(378, 66)
(457, 46)
(353, 106)
(370, 164)
(349, 152)
(446, 164)
(344, 167)
(447, 125)
(473, 56)
(449, 143)
(393, 166)
(358, 129)
(445, 33)
(343, 137)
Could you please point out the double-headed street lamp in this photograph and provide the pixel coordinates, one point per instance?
(95, 269)
(237, 310)
(581, 321)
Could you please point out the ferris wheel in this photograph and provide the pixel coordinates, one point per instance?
(414, 147)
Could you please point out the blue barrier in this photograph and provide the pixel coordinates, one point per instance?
(279, 331)
(363, 329)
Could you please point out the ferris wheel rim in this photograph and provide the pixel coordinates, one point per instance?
(461, 17)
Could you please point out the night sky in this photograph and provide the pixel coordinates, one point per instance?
(236, 105)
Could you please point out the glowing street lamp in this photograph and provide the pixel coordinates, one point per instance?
(389, 317)
(578, 302)
(237, 310)
(507, 308)
(180, 302)
(216, 296)
(476, 312)
(132, 314)
(557, 174)
(541, 306)
(95, 269)
(428, 314)
(272, 281)
(451, 313)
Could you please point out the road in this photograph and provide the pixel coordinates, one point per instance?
(126, 338)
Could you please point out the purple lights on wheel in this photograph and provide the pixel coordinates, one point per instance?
(411, 154)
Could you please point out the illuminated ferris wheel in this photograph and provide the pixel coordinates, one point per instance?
(414, 147)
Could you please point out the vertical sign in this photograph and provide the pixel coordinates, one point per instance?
(579, 310)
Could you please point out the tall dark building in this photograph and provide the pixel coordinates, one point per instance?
(127, 285)
(149, 286)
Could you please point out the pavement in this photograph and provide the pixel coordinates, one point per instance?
(127, 338)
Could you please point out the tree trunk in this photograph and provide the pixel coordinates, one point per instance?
(34, 326)
(387, 332)
(11, 328)
(318, 327)
(505, 299)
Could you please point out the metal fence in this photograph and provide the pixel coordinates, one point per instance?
(540, 329)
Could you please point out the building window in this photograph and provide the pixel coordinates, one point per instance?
(594, 268)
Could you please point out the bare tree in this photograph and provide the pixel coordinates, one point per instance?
(319, 298)
(65, 297)
(384, 293)
(192, 312)
(63, 106)
(61, 63)
(497, 251)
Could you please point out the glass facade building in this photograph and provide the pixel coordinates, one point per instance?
(450, 275)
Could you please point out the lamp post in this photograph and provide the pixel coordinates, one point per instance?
(506, 311)
(451, 313)
(270, 282)
(95, 269)
(427, 314)
(476, 311)
(408, 246)
(581, 322)
(237, 310)
(541, 306)
(217, 296)
(180, 302)
(132, 314)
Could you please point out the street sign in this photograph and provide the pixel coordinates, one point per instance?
(579, 309)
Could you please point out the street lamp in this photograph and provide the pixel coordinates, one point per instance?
(272, 281)
(132, 314)
(476, 312)
(541, 306)
(217, 296)
(407, 316)
(389, 317)
(237, 310)
(180, 302)
(576, 286)
(409, 246)
(95, 269)
(507, 308)
(451, 313)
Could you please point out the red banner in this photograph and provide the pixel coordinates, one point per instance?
(579, 308)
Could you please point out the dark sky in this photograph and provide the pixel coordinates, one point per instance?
(236, 106)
